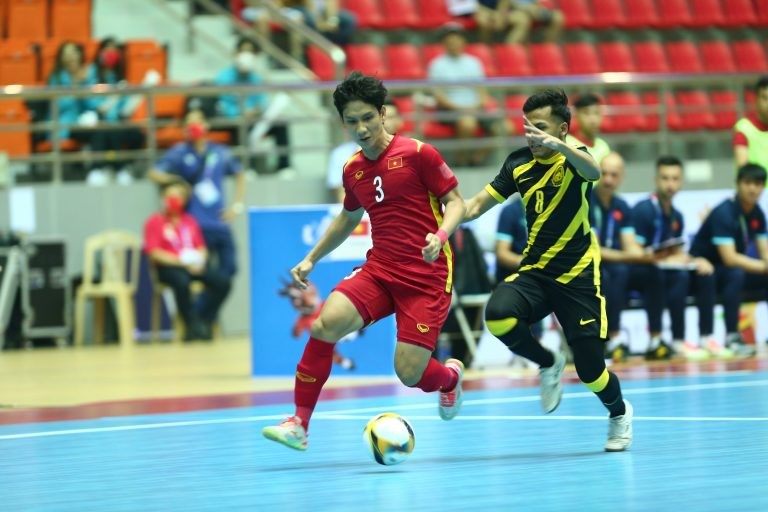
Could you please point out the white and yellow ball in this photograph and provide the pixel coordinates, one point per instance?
(389, 437)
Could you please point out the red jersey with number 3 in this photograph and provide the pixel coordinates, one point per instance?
(400, 190)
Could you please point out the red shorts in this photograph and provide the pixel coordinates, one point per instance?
(420, 310)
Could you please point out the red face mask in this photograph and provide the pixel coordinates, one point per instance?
(196, 131)
(174, 205)
(110, 58)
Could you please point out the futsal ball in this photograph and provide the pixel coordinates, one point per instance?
(390, 438)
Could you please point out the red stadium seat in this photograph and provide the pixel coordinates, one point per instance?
(749, 56)
(321, 63)
(368, 59)
(724, 109)
(577, 13)
(512, 60)
(641, 14)
(652, 119)
(483, 52)
(739, 13)
(683, 57)
(547, 59)
(707, 13)
(694, 111)
(616, 56)
(28, 19)
(514, 107)
(762, 12)
(17, 142)
(624, 113)
(582, 58)
(71, 19)
(406, 108)
(398, 14)
(432, 14)
(650, 57)
(607, 14)
(717, 57)
(366, 11)
(430, 51)
(144, 55)
(404, 62)
(674, 13)
(18, 62)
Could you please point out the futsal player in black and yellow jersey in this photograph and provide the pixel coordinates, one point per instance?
(560, 270)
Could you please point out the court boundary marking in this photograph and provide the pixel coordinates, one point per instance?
(358, 413)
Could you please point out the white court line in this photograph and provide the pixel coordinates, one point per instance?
(358, 413)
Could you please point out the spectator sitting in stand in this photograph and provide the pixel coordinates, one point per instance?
(517, 17)
(109, 68)
(462, 103)
(247, 71)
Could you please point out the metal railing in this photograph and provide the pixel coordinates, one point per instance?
(498, 87)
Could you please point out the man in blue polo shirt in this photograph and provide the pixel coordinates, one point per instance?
(202, 166)
(611, 220)
(659, 228)
(729, 232)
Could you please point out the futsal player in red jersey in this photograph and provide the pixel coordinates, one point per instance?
(414, 205)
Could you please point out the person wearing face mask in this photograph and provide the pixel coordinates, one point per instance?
(174, 244)
(202, 166)
(109, 68)
(248, 69)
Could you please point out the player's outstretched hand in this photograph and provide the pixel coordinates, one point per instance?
(300, 272)
(431, 251)
(539, 137)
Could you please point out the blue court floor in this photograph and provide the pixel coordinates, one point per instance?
(701, 444)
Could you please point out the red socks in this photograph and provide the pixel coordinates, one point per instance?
(311, 373)
(437, 377)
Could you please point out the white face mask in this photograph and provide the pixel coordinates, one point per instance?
(245, 62)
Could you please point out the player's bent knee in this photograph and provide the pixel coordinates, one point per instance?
(599, 383)
(408, 374)
(501, 326)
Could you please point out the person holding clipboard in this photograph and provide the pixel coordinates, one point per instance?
(659, 229)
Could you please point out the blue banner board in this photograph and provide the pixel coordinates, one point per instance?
(279, 238)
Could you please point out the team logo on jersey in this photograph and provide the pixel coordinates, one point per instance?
(395, 162)
(359, 174)
(557, 177)
(422, 327)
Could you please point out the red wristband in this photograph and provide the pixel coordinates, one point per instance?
(442, 235)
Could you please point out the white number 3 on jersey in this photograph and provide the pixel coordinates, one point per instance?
(378, 182)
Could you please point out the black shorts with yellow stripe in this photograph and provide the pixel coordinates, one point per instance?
(579, 306)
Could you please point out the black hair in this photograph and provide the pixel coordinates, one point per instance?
(57, 66)
(119, 69)
(751, 172)
(587, 100)
(358, 86)
(554, 98)
(246, 40)
(762, 83)
(668, 160)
